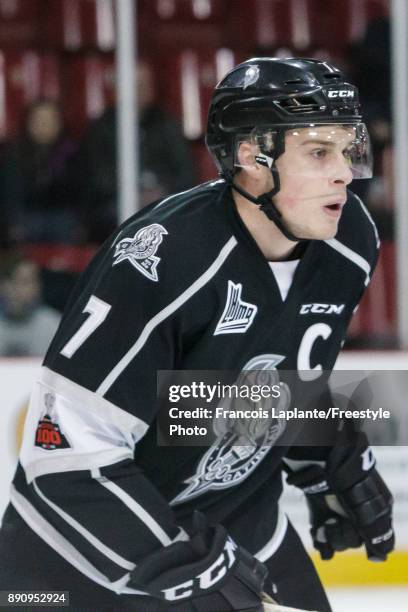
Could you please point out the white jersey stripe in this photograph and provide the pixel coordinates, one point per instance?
(173, 195)
(352, 256)
(182, 536)
(164, 314)
(134, 506)
(170, 197)
(276, 540)
(299, 464)
(75, 462)
(369, 217)
(105, 550)
(61, 545)
(102, 407)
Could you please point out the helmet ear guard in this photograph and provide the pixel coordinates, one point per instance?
(268, 145)
(264, 160)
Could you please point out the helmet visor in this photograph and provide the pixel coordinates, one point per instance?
(315, 151)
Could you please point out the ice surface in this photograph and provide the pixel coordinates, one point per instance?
(369, 599)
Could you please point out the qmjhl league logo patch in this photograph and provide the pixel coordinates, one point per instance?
(48, 434)
(238, 315)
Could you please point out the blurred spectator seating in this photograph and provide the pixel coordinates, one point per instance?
(60, 257)
(61, 265)
(38, 179)
(89, 88)
(184, 23)
(74, 25)
(370, 63)
(374, 323)
(63, 49)
(25, 76)
(27, 325)
(204, 166)
(80, 24)
(186, 83)
(20, 22)
(165, 159)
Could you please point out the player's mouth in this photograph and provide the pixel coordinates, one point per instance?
(334, 210)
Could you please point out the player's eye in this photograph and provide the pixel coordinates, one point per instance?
(319, 153)
(348, 153)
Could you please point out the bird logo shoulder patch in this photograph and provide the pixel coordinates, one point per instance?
(140, 250)
(238, 315)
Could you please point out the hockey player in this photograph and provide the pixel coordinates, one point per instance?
(260, 270)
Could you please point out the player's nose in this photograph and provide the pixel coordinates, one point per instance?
(342, 172)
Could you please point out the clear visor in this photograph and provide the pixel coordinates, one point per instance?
(326, 151)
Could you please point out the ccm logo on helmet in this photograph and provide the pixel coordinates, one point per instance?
(341, 93)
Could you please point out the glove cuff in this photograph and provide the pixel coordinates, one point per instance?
(367, 500)
(312, 480)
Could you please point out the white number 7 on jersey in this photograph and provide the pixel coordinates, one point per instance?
(98, 311)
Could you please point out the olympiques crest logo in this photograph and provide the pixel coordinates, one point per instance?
(241, 444)
(140, 250)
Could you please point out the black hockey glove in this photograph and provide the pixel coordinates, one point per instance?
(208, 572)
(348, 501)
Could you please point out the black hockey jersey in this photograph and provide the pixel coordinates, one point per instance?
(181, 285)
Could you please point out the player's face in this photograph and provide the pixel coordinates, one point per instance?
(314, 173)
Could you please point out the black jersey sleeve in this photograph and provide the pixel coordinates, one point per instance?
(95, 398)
(78, 486)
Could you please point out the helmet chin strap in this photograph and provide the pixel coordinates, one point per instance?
(265, 201)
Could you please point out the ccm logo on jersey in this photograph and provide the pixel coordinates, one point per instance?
(322, 308)
(341, 93)
(207, 578)
(238, 315)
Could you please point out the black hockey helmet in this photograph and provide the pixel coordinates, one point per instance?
(265, 92)
(271, 96)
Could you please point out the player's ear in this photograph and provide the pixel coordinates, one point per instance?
(246, 158)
